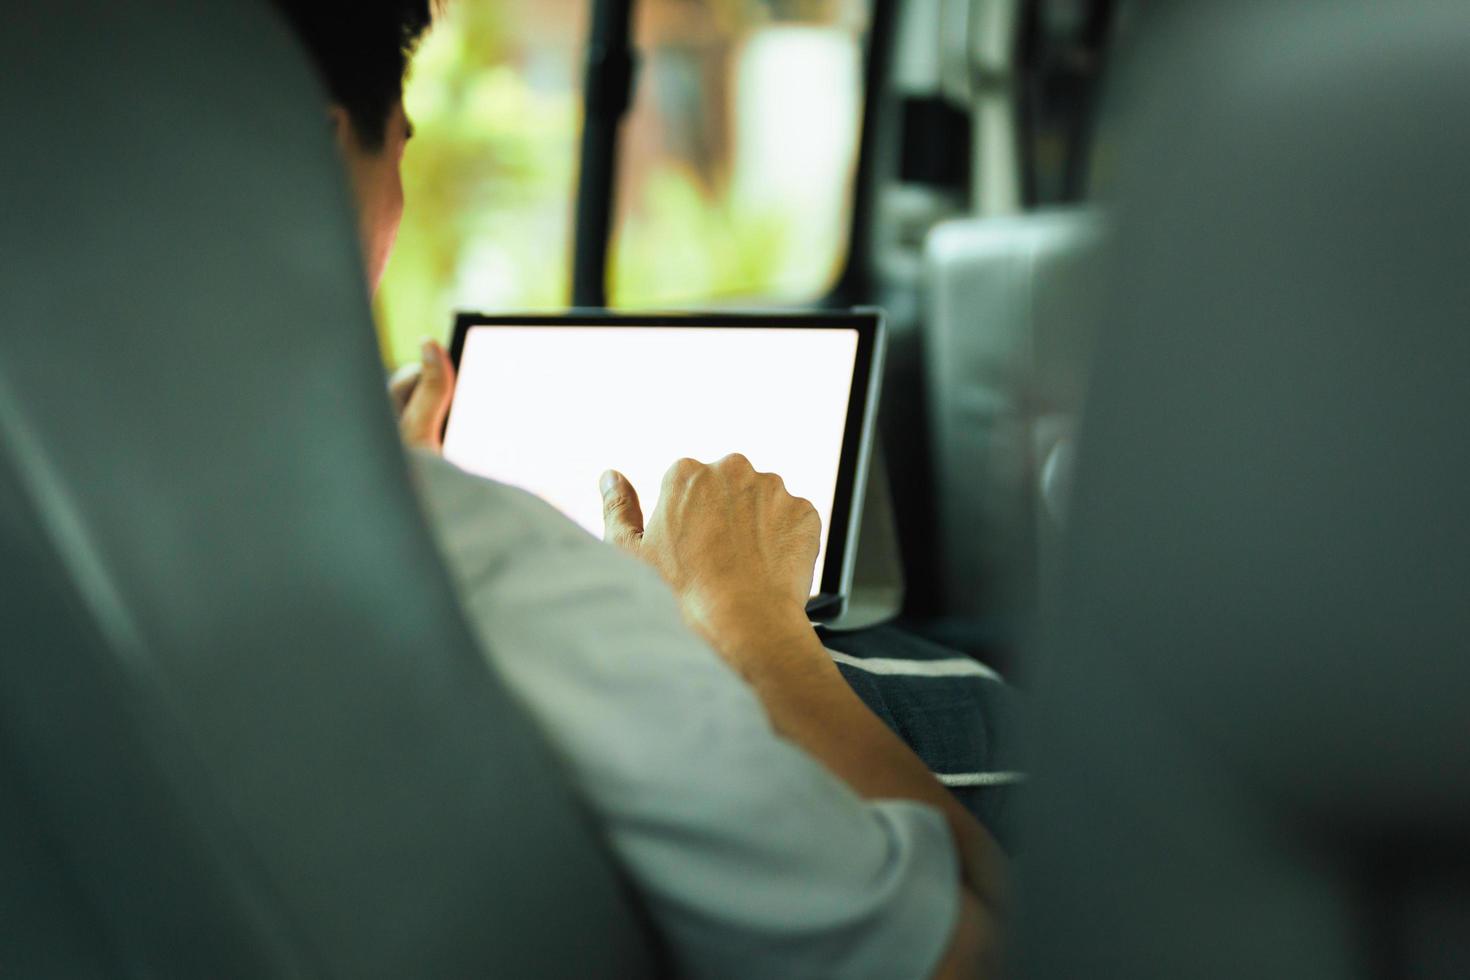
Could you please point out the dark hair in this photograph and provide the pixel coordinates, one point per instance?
(361, 50)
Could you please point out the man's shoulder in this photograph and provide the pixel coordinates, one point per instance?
(711, 812)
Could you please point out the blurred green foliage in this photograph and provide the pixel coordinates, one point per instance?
(488, 178)
(680, 247)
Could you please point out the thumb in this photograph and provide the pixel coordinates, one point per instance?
(401, 385)
(422, 421)
(622, 518)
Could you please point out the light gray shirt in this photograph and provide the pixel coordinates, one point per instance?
(754, 860)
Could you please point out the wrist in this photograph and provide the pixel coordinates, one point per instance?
(754, 632)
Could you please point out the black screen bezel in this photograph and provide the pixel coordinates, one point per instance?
(855, 437)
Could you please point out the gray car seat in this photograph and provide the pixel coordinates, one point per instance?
(1255, 708)
(244, 730)
(1011, 307)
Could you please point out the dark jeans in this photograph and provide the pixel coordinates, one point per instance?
(956, 715)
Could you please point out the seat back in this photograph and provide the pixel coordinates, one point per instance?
(244, 730)
(1011, 307)
(1255, 751)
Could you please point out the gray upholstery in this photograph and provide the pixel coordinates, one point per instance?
(244, 731)
(1011, 307)
(1256, 705)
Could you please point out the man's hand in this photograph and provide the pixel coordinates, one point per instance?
(421, 393)
(738, 550)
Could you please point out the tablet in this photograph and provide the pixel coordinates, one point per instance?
(547, 403)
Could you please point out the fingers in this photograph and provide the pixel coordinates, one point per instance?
(732, 470)
(401, 385)
(622, 517)
(680, 475)
(739, 471)
(736, 470)
(422, 420)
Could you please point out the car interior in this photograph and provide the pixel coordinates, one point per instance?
(1171, 437)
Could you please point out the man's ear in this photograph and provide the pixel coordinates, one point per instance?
(342, 130)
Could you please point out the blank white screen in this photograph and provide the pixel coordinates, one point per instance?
(549, 409)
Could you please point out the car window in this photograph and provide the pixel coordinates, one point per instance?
(738, 155)
(489, 176)
(735, 172)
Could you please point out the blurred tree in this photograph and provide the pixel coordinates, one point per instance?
(735, 174)
(488, 174)
(738, 156)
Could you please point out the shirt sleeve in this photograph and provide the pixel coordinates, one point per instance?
(753, 859)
